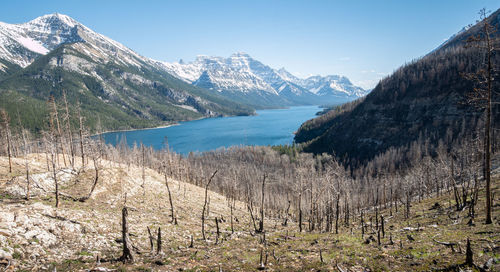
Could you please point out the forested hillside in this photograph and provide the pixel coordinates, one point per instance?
(127, 98)
(425, 102)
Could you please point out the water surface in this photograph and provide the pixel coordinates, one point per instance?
(268, 127)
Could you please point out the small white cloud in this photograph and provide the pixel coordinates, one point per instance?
(345, 59)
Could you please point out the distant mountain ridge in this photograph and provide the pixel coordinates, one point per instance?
(54, 53)
(242, 75)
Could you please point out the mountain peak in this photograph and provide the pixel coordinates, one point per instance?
(45, 33)
(287, 75)
(53, 20)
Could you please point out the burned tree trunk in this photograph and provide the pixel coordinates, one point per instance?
(261, 222)
(408, 205)
(285, 221)
(56, 183)
(482, 94)
(232, 207)
(57, 130)
(218, 231)
(382, 225)
(80, 132)
(158, 244)
(172, 215)
(127, 245)
(337, 214)
(151, 244)
(27, 180)
(469, 255)
(362, 226)
(6, 121)
(26, 164)
(205, 206)
(96, 179)
(300, 213)
(68, 130)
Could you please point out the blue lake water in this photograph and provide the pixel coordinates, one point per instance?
(268, 127)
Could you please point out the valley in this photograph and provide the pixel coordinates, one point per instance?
(115, 88)
(267, 127)
(228, 164)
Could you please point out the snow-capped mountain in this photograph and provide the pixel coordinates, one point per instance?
(332, 85)
(242, 73)
(23, 43)
(229, 74)
(113, 73)
(56, 53)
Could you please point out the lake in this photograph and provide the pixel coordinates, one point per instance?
(268, 127)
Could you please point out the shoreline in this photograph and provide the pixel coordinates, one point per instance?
(134, 129)
(158, 127)
(162, 126)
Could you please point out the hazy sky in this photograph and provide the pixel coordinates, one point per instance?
(363, 40)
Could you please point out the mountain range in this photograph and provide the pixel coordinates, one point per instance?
(246, 79)
(423, 103)
(56, 56)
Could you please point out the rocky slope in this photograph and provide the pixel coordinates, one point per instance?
(36, 235)
(86, 236)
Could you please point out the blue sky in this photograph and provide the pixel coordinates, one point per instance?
(363, 40)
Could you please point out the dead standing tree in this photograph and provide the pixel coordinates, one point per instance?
(96, 159)
(205, 206)
(261, 222)
(172, 214)
(53, 144)
(143, 171)
(6, 127)
(56, 129)
(68, 130)
(81, 134)
(26, 162)
(481, 96)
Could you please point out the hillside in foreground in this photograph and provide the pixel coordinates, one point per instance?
(36, 235)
